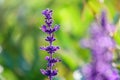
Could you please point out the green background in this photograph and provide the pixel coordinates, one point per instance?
(21, 37)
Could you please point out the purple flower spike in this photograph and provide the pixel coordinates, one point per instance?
(101, 44)
(48, 16)
(47, 28)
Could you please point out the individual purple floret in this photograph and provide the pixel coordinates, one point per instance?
(47, 28)
(101, 45)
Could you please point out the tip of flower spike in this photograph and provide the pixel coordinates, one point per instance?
(103, 18)
(47, 13)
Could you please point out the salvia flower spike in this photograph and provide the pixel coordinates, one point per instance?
(48, 29)
(101, 45)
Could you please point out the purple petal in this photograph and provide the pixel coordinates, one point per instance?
(56, 28)
(49, 22)
(110, 28)
(108, 56)
(44, 12)
(105, 42)
(46, 72)
(54, 60)
(43, 71)
(95, 30)
(42, 48)
(56, 48)
(85, 43)
(47, 13)
(47, 58)
(44, 28)
(54, 72)
(112, 75)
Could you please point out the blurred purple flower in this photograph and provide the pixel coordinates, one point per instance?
(101, 45)
(47, 28)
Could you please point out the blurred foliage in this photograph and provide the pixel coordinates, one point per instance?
(20, 37)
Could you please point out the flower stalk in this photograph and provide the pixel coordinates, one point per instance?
(48, 29)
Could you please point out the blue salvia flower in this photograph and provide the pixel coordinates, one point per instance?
(47, 28)
(101, 45)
